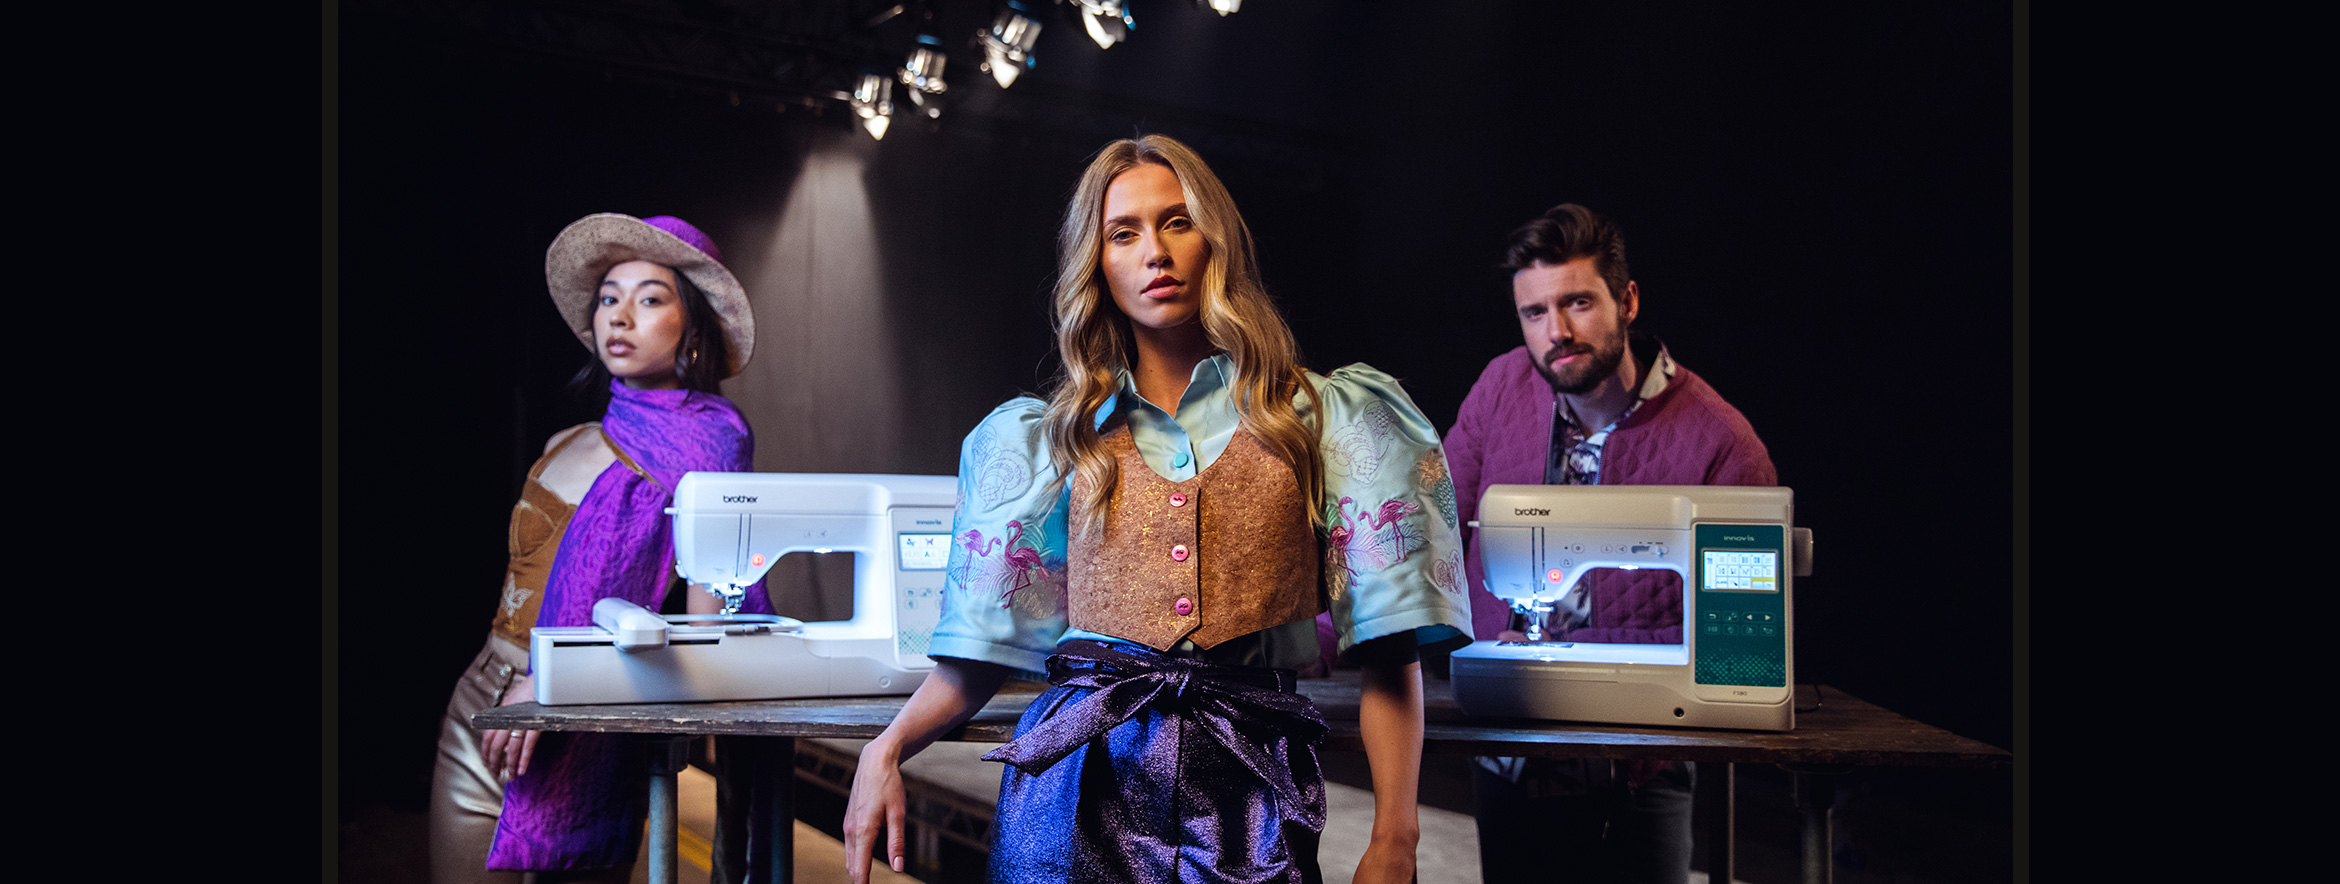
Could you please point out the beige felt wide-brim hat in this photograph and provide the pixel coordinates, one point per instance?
(585, 251)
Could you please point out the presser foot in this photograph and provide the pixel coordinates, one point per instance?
(731, 596)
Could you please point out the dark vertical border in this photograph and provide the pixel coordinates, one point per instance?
(329, 609)
(2021, 224)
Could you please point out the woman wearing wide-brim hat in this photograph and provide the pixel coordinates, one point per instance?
(665, 321)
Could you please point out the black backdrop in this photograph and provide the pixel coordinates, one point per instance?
(1819, 199)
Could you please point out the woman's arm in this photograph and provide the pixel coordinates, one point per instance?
(951, 694)
(568, 477)
(1390, 715)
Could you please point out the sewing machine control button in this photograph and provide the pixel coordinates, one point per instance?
(1184, 607)
(1709, 615)
(1178, 553)
(1178, 460)
(1713, 629)
(1177, 500)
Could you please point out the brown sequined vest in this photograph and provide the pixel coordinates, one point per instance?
(538, 521)
(1224, 554)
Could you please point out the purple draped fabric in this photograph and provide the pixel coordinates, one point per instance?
(580, 804)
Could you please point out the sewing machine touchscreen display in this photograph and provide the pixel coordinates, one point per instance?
(925, 552)
(1740, 570)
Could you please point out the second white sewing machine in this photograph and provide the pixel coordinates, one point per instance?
(729, 529)
(1710, 644)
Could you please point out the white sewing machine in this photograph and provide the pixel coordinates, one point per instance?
(1735, 552)
(729, 529)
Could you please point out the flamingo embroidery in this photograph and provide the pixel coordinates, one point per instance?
(1007, 574)
(1021, 560)
(976, 550)
(1375, 539)
(1044, 597)
(1336, 562)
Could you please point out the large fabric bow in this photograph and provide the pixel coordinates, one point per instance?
(1252, 712)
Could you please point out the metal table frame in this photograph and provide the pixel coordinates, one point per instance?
(756, 747)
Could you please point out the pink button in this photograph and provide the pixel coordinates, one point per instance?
(1178, 500)
(1178, 553)
(1185, 607)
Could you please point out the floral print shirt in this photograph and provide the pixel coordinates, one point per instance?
(1576, 450)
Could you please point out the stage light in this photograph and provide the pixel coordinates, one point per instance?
(1007, 47)
(1107, 21)
(923, 73)
(1222, 7)
(873, 99)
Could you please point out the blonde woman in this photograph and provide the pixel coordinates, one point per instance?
(1159, 538)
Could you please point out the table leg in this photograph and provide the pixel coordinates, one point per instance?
(1718, 797)
(734, 770)
(668, 755)
(772, 819)
(1815, 786)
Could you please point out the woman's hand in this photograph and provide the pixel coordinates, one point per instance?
(877, 801)
(952, 693)
(507, 751)
(1386, 862)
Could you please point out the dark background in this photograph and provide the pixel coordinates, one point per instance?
(1820, 202)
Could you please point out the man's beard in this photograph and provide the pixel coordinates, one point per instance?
(1600, 363)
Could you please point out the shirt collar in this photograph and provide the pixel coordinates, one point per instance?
(1210, 375)
(1661, 372)
(1653, 382)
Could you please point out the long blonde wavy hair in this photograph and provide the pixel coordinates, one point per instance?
(1093, 337)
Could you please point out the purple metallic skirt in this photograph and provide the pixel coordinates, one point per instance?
(1142, 767)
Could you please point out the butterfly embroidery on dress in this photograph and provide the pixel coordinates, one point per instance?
(515, 596)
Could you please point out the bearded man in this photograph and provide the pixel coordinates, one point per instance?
(1586, 401)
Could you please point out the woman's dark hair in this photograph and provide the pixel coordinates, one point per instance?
(701, 358)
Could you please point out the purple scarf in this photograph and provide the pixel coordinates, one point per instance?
(579, 806)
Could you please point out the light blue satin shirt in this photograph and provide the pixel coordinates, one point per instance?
(1394, 557)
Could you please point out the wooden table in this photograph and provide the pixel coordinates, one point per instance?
(1842, 733)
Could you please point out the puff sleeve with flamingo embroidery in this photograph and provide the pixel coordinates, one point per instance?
(1003, 592)
(1393, 550)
